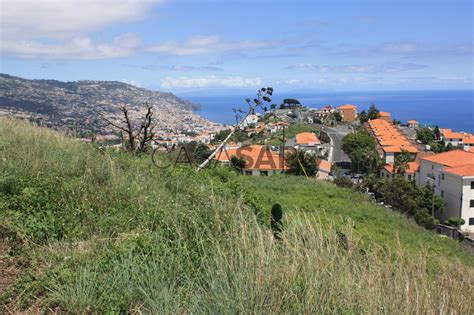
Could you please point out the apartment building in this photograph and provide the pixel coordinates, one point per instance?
(451, 174)
(348, 112)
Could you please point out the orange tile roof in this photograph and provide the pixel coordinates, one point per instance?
(452, 158)
(392, 142)
(307, 138)
(400, 148)
(468, 139)
(347, 106)
(384, 114)
(412, 167)
(464, 170)
(471, 150)
(257, 157)
(412, 121)
(449, 134)
(324, 166)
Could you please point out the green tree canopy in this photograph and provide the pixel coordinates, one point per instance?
(360, 147)
(425, 135)
(401, 162)
(302, 163)
(373, 112)
(363, 117)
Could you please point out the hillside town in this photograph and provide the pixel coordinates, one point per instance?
(265, 143)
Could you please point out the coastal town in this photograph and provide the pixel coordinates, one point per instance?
(265, 141)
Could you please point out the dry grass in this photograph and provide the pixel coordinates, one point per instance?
(109, 234)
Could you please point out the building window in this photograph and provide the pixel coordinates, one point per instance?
(442, 176)
(264, 173)
(471, 221)
(472, 185)
(442, 193)
(471, 204)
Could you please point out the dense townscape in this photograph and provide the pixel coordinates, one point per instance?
(77, 106)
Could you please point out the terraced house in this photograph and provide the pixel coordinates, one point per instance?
(391, 142)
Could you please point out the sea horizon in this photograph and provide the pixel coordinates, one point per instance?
(446, 108)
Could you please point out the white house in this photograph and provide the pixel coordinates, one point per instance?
(274, 127)
(250, 120)
(324, 169)
(455, 138)
(308, 142)
(468, 143)
(388, 170)
(452, 176)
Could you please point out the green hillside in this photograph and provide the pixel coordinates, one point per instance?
(93, 232)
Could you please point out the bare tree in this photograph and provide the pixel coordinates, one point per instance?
(263, 95)
(137, 140)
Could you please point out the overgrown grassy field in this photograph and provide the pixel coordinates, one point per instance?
(109, 233)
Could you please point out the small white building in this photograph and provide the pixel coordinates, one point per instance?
(250, 120)
(453, 138)
(308, 142)
(451, 174)
(324, 170)
(468, 143)
(274, 127)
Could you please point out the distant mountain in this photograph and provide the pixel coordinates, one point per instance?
(76, 105)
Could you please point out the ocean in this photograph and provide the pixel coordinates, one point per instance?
(447, 109)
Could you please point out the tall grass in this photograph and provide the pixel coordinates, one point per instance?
(108, 233)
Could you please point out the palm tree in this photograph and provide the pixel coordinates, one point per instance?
(401, 162)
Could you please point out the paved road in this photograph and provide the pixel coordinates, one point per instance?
(336, 134)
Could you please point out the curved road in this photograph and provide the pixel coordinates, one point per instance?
(336, 134)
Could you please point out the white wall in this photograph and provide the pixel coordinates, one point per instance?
(389, 157)
(455, 190)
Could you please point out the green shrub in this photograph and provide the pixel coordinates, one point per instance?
(454, 221)
(343, 182)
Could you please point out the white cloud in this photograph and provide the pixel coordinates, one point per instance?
(181, 68)
(60, 19)
(399, 47)
(60, 28)
(388, 67)
(74, 48)
(207, 44)
(210, 81)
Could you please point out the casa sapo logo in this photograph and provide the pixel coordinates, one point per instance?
(256, 157)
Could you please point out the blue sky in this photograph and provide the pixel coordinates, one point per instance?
(223, 46)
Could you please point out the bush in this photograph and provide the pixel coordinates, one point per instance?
(343, 181)
(423, 218)
(454, 221)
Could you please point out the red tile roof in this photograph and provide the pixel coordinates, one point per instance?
(468, 139)
(348, 106)
(449, 134)
(452, 158)
(412, 167)
(257, 157)
(400, 148)
(324, 166)
(464, 170)
(307, 138)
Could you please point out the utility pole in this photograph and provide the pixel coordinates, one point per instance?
(432, 202)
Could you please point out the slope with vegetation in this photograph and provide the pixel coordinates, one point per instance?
(96, 232)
